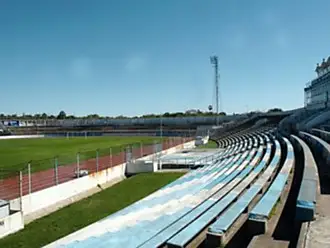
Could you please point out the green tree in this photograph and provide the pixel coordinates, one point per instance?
(275, 110)
(61, 115)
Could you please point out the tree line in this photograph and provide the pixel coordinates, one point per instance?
(63, 115)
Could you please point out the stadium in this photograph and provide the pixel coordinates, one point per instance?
(249, 180)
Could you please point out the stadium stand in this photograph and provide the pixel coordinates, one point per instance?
(261, 213)
(3, 129)
(319, 119)
(325, 135)
(321, 147)
(306, 201)
(222, 225)
(251, 175)
(325, 127)
(178, 208)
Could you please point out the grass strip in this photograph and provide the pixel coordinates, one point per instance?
(210, 144)
(87, 211)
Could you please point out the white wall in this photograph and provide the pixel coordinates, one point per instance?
(45, 198)
(11, 224)
(141, 166)
(202, 140)
(21, 136)
(149, 164)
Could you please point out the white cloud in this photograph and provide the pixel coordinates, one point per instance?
(136, 63)
(81, 68)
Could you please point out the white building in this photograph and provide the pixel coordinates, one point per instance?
(317, 91)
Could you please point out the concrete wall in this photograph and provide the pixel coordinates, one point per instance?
(21, 137)
(45, 198)
(202, 140)
(141, 166)
(42, 202)
(48, 197)
(150, 164)
(11, 224)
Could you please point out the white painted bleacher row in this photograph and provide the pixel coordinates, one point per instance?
(320, 145)
(183, 181)
(309, 188)
(220, 201)
(178, 212)
(325, 135)
(232, 138)
(180, 182)
(224, 222)
(207, 203)
(261, 213)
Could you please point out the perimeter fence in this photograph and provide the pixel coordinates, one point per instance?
(35, 175)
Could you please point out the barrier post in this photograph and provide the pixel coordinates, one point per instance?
(110, 157)
(56, 170)
(124, 154)
(29, 176)
(155, 150)
(78, 164)
(21, 189)
(97, 160)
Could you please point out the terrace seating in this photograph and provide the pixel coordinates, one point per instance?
(212, 197)
(306, 201)
(261, 213)
(222, 199)
(181, 186)
(220, 228)
(319, 119)
(325, 135)
(319, 145)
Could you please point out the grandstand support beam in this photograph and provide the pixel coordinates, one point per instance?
(214, 62)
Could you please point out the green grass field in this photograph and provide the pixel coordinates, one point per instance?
(80, 214)
(210, 144)
(16, 151)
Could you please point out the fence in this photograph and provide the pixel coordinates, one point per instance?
(33, 176)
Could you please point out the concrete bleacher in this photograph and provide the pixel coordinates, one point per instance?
(320, 146)
(309, 188)
(246, 186)
(325, 135)
(202, 205)
(262, 212)
(220, 201)
(220, 228)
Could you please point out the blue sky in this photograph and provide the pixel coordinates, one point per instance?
(115, 57)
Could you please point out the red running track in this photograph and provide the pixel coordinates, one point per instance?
(10, 187)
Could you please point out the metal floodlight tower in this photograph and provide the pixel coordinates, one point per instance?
(214, 61)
